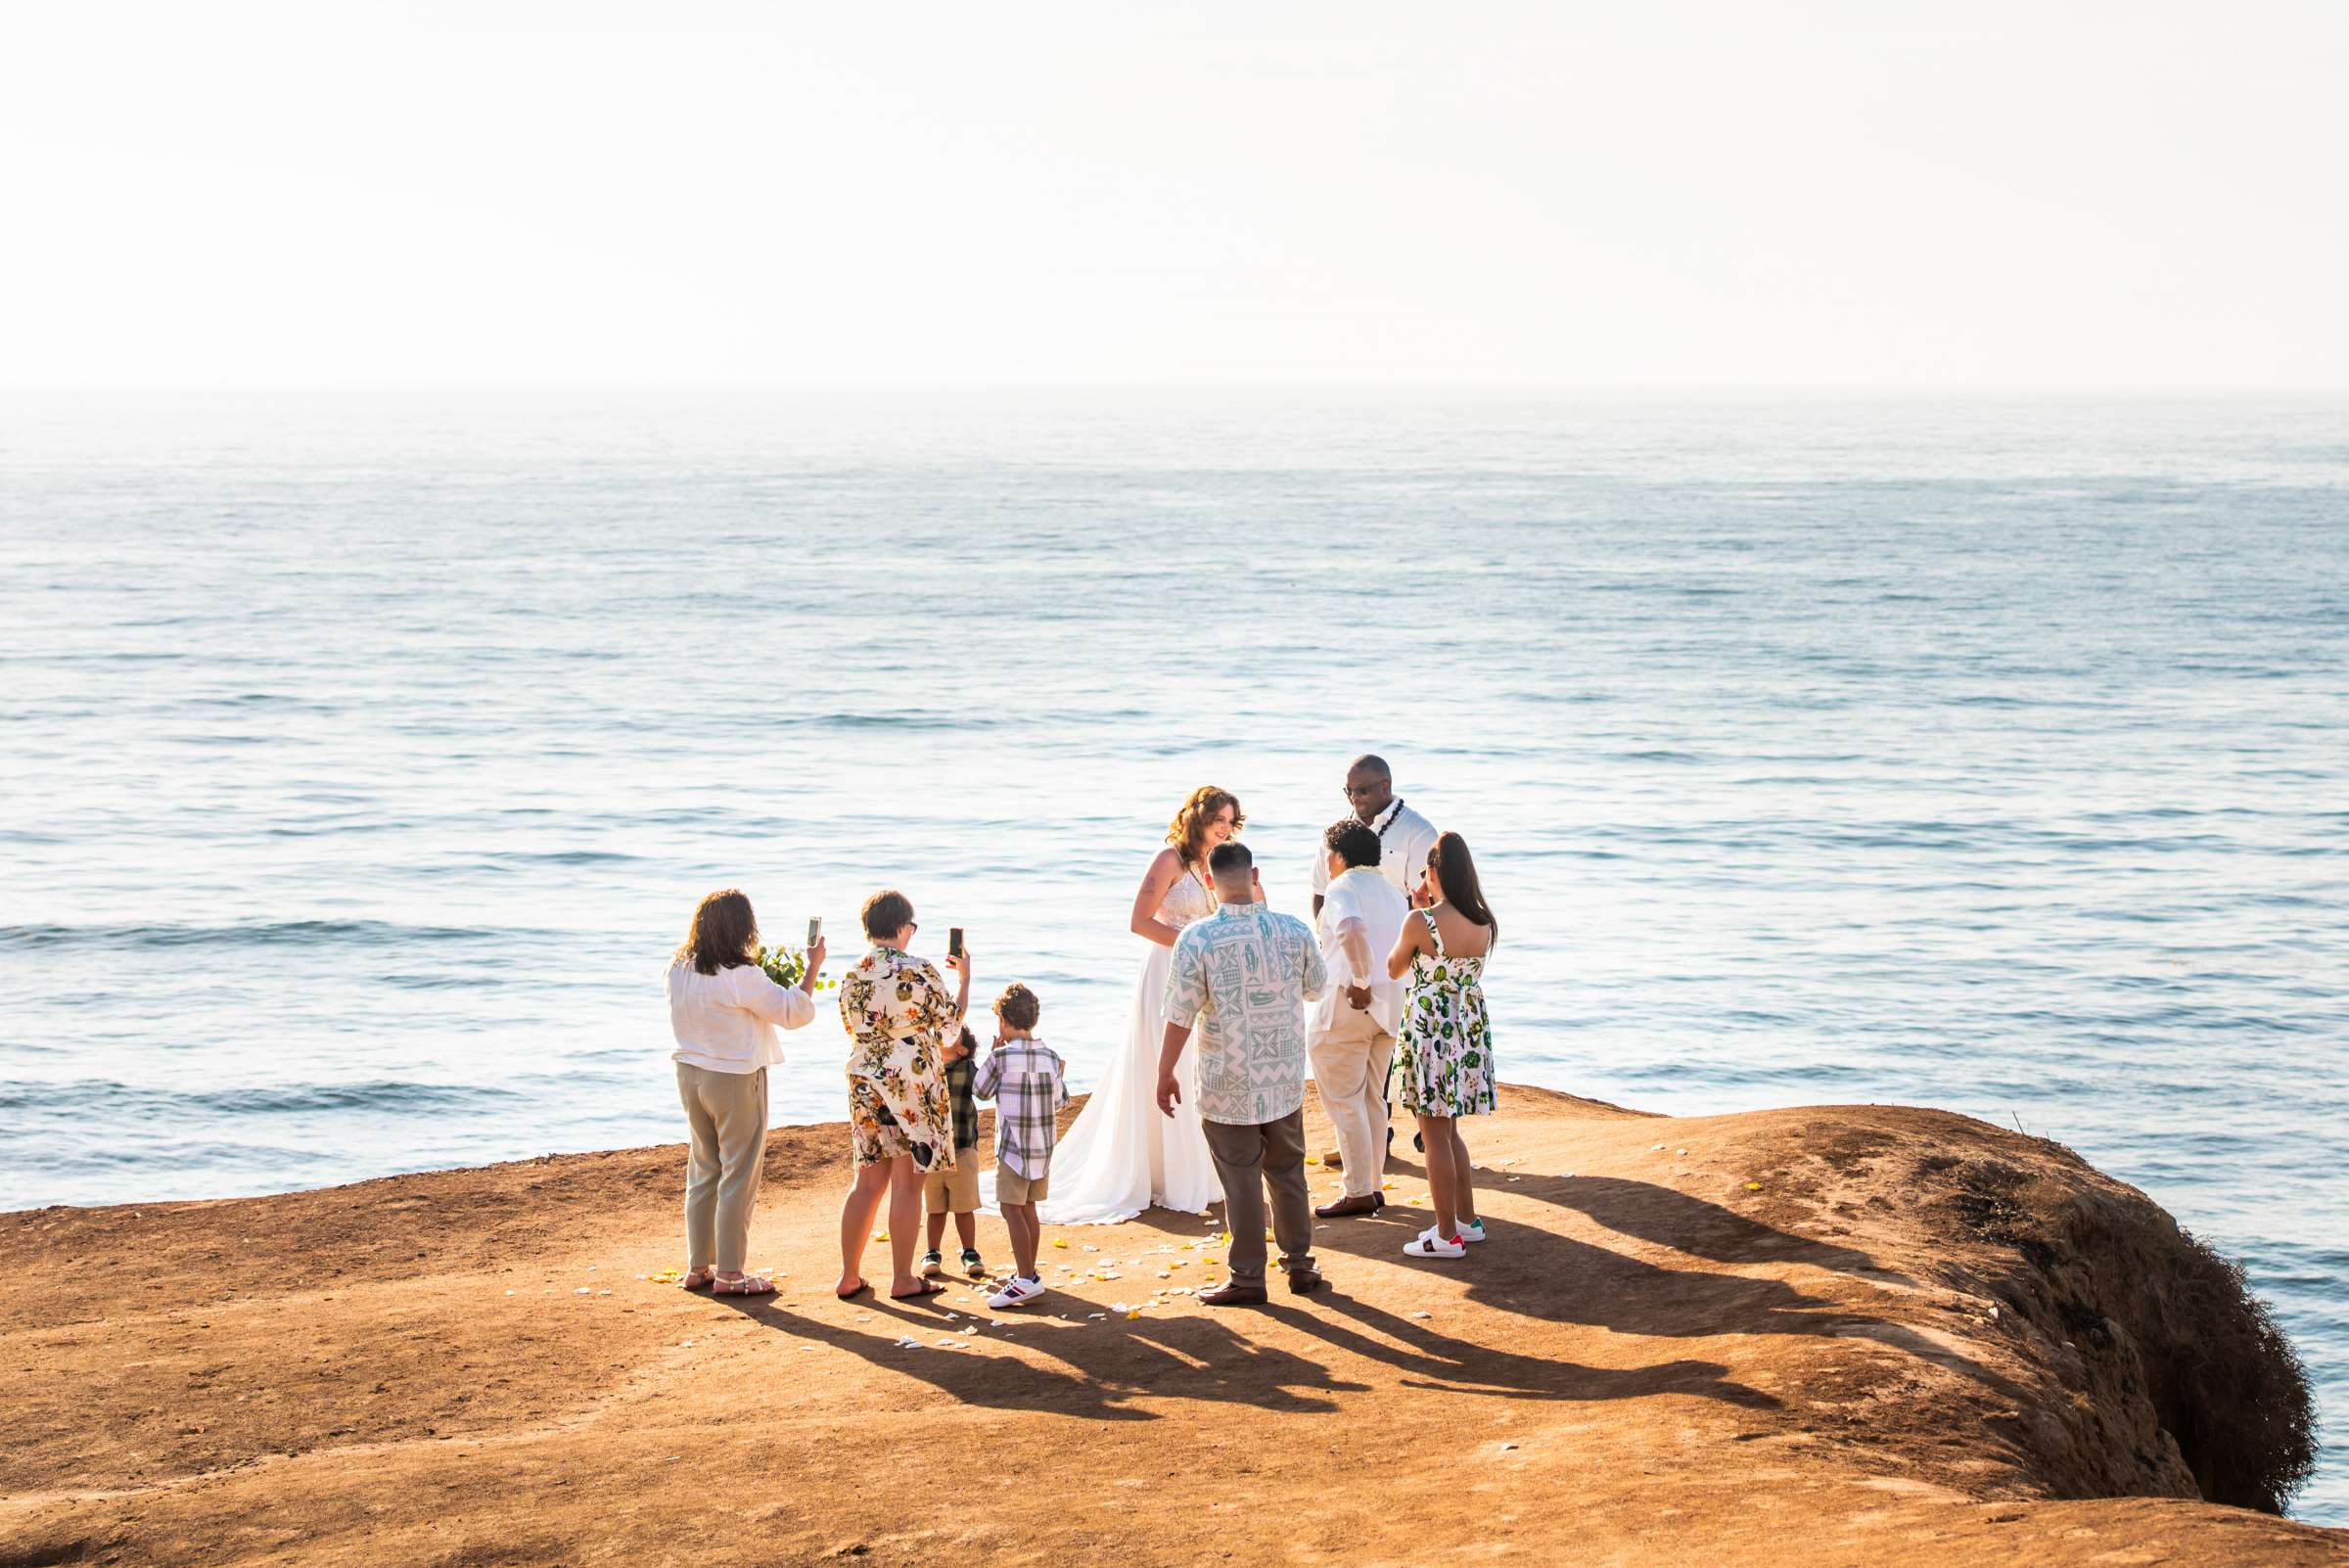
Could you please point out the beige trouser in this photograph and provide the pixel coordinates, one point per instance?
(1248, 1159)
(726, 1113)
(1350, 1069)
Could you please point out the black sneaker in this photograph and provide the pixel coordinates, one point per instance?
(933, 1264)
(971, 1265)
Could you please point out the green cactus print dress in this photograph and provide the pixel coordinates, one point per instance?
(1446, 1053)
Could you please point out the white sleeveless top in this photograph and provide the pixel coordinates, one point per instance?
(1186, 901)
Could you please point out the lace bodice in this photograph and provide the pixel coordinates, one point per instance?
(1186, 901)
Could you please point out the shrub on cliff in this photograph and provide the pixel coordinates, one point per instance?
(2228, 1386)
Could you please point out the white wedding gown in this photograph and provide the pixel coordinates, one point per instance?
(1121, 1155)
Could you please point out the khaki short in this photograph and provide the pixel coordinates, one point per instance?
(955, 1192)
(1012, 1187)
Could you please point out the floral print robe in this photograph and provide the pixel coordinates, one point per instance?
(901, 1018)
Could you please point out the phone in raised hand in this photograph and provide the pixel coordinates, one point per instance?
(815, 929)
(954, 942)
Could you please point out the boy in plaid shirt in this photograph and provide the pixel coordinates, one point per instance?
(1027, 1081)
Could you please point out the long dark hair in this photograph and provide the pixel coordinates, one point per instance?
(722, 933)
(1455, 874)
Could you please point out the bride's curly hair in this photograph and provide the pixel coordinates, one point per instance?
(1188, 831)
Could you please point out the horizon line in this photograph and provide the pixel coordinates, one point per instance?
(1349, 384)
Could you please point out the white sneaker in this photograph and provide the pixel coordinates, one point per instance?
(1432, 1245)
(1468, 1233)
(1017, 1293)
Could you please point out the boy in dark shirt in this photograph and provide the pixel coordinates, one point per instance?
(956, 1191)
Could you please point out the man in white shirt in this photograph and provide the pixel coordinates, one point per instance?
(1355, 1023)
(1403, 836)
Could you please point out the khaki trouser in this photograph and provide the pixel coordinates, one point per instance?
(1351, 1072)
(1248, 1159)
(726, 1113)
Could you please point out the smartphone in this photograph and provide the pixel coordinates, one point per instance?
(815, 929)
(954, 942)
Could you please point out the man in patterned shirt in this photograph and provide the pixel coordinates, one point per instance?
(1246, 974)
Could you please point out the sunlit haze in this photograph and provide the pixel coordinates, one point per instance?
(2001, 196)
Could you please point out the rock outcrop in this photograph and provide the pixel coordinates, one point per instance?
(1835, 1335)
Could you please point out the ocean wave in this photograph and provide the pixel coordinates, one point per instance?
(906, 721)
(562, 857)
(390, 1096)
(255, 934)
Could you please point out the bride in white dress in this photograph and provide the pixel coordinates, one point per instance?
(1121, 1154)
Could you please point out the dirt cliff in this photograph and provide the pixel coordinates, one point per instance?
(1859, 1335)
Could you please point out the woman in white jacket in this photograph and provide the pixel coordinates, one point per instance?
(724, 1010)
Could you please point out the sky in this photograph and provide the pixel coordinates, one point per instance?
(2031, 196)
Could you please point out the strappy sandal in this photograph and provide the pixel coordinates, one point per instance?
(743, 1286)
(697, 1279)
(930, 1287)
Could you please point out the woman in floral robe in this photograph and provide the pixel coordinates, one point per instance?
(901, 1026)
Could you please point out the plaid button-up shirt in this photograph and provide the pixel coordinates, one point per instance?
(966, 1110)
(1028, 1081)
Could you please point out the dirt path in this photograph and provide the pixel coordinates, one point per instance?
(1756, 1339)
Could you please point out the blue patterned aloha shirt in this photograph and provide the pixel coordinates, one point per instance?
(1247, 973)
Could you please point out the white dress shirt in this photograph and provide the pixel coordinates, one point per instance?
(726, 1022)
(1360, 895)
(1404, 839)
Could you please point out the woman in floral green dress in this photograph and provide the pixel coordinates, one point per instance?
(1445, 1050)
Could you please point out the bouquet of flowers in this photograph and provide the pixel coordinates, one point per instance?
(785, 966)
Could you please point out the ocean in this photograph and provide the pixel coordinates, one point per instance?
(366, 752)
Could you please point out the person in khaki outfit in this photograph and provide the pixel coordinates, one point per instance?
(723, 1010)
(1355, 1023)
(1246, 974)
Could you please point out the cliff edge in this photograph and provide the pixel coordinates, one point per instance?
(1853, 1334)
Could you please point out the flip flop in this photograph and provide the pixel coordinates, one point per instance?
(930, 1287)
(862, 1286)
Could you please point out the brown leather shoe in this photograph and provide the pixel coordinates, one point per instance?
(1305, 1282)
(1364, 1203)
(1334, 1160)
(1229, 1294)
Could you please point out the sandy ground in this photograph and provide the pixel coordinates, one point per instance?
(1750, 1339)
